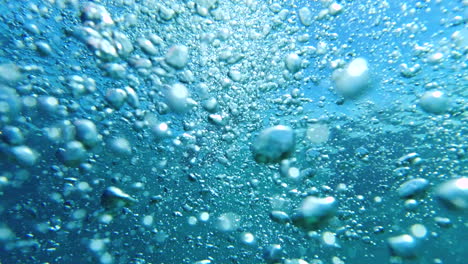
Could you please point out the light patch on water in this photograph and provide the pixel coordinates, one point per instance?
(329, 238)
(418, 230)
(248, 238)
(192, 220)
(97, 245)
(358, 67)
(318, 133)
(204, 216)
(79, 214)
(462, 183)
(106, 218)
(148, 220)
(106, 258)
(228, 222)
(5, 233)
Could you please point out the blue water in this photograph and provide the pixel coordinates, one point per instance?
(52, 209)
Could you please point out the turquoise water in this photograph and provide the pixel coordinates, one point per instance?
(238, 131)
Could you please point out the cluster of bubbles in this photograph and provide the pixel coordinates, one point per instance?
(210, 131)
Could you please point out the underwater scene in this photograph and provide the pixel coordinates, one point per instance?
(233, 131)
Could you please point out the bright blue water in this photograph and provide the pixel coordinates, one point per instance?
(51, 212)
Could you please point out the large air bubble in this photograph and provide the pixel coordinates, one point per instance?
(274, 144)
(318, 133)
(434, 102)
(353, 80)
(10, 105)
